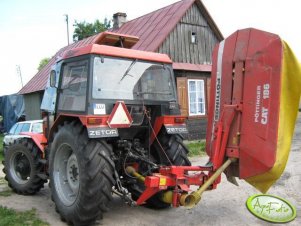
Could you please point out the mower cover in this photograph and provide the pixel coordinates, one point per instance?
(257, 72)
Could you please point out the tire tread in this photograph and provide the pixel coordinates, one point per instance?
(37, 181)
(96, 182)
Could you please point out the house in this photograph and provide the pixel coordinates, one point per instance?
(183, 30)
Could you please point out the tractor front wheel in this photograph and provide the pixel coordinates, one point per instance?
(81, 174)
(23, 167)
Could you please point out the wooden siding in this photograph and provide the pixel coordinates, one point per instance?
(178, 44)
(32, 105)
(196, 129)
(182, 95)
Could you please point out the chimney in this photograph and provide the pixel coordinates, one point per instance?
(118, 20)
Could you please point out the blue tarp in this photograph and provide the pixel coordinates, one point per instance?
(11, 109)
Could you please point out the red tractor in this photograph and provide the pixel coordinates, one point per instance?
(112, 124)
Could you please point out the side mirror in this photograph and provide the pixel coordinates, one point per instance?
(52, 79)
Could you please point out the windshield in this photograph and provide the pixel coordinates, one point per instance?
(132, 79)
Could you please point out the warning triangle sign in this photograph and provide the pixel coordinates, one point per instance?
(120, 116)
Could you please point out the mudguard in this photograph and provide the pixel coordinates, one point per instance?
(257, 72)
(39, 139)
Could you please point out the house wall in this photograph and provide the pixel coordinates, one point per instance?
(32, 105)
(196, 125)
(196, 129)
(178, 44)
(179, 47)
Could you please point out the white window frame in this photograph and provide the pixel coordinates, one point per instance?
(202, 92)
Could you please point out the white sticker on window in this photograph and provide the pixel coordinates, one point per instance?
(99, 109)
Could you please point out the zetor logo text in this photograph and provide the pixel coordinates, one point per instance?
(271, 208)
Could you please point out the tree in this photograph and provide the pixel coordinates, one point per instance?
(43, 63)
(84, 29)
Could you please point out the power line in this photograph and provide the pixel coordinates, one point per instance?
(67, 21)
(18, 68)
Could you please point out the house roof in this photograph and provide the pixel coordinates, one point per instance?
(152, 29)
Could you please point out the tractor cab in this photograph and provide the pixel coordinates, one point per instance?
(89, 80)
(102, 79)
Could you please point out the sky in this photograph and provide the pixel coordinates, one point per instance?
(32, 30)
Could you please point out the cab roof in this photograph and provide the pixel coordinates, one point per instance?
(116, 52)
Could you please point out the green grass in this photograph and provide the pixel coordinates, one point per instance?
(5, 191)
(1, 148)
(10, 217)
(196, 148)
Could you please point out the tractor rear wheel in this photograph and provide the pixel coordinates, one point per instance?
(175, 150)
(175, 154)
(23, 167)
(81, 174)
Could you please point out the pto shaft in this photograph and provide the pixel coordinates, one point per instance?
(190, 200)
(187, 200)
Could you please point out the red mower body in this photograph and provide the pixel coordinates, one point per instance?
(254, 101)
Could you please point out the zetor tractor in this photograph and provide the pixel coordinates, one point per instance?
(112, 125)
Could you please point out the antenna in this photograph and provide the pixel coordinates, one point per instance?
(18, 68)
(67, 21)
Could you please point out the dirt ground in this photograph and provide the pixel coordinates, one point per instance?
(223, 206)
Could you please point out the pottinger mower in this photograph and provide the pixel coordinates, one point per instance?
(112, 125)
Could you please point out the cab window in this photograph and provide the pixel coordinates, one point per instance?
(74, 86)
